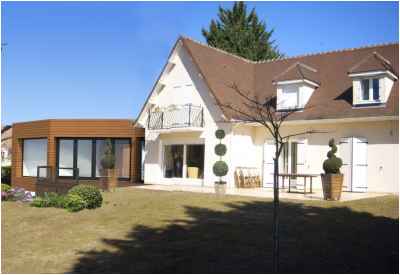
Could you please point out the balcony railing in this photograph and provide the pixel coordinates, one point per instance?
(176, 116)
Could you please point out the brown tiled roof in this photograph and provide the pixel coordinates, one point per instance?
(332, 99)
(298, 71)
(372, 62)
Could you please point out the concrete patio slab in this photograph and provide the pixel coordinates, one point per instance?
(260, 192)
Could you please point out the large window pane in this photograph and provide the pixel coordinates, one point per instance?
(365, 89)
(173, 161)
(66, 157)
(34, 155)
(100, 147)
(195, 161)
(85, 158)
(122, 157)
(375, 87)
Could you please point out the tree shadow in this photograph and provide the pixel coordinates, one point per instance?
(313, 240)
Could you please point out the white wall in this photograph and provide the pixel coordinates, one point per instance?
(184, 85)
(383, 158)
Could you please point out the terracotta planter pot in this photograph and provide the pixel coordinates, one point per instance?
(112, 181)
(332, 186)
(220, 188)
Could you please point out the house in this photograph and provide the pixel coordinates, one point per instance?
(62, 152)
(6, 138)
(353, 94)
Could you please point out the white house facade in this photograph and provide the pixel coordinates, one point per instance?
(352, 95)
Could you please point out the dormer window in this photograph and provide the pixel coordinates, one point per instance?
(373, 79)
(370, 90)
(290, 98)
(295, 85)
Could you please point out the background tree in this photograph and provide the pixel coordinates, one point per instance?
(263, 111)
(242, 34)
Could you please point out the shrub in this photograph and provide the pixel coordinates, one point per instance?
(220, 149)
(220, 134)
(5, 187)
(74, 203)
(4, 196)
(220, 168)
(6, 174)
(49, 200)
(332, 164)
(108, 160)
(90, 194)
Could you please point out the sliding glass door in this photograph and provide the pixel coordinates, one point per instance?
(184, 161)
(83, 157)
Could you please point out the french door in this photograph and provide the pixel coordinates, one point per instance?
(353, 152)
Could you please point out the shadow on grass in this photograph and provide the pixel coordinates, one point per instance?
(313, 239)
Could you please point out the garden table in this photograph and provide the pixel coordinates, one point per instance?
(304, 176)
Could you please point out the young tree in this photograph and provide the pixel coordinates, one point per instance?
(263, 111)
(242, 34)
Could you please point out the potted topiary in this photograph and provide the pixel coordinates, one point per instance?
(108, 165)
(332, 180)
(220, 168)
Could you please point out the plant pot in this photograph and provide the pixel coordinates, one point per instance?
(193, 172)
(332, 186)
(112, 181)
(220, 188)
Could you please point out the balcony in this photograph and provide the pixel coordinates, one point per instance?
(176, 116)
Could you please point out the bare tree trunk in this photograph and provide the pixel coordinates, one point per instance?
(276, 213)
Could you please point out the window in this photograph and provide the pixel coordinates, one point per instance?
(122, 157)
(66, 157)
(365, 89)
(290, 97)
(184, 161)
(370, 90)
(34, 155)
(195, 161)
(173, 161)
(84, 158)
(86, 155)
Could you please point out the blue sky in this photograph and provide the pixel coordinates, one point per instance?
(100, 59)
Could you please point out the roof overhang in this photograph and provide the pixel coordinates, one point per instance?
(373, 73)
(297, 81)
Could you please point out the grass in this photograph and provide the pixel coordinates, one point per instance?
(157, 232)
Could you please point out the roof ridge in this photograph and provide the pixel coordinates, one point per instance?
(290, 57)
(219, 50)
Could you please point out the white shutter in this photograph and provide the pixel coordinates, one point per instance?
(301, 156)
(382, 89)
(360, 164)
(356, 91)
(269, 153)
(345, 153)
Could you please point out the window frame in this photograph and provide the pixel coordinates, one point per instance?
(22, 152)
(184, 166)
(93, 163)
(370, 99)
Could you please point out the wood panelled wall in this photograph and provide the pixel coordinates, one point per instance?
(73, 128)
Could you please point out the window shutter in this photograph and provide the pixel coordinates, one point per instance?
(301, 156)
(345, 153)
(356, 91)
(382, 89)
(360, 164)
(268, 170)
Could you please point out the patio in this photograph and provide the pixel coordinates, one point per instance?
(260, 192)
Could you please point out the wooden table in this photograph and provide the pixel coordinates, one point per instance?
(304, 176)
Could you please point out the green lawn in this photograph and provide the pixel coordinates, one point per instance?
(158, 232)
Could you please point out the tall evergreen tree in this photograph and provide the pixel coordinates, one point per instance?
(242, 34)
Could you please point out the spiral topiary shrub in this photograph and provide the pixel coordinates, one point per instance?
(108, 160)
(91, 195)
(332, 164)
(220, 149)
